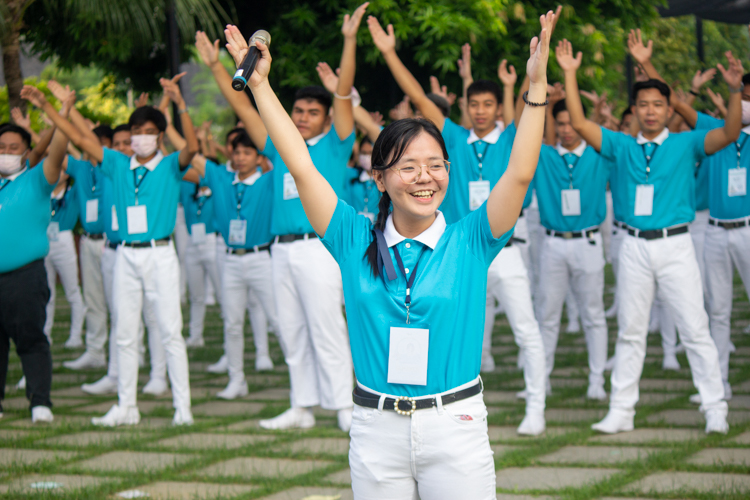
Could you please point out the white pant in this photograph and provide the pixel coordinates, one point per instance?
(667, 327)
(439, 453)
(181, 237)
(669, 263)
(606, 227)
(618, 235)
(725, 250)
(62, 260)
(242, 274)
(535, 235)
(508, 282)
(93, 294)
(698, 232)
(148, 278)
(308, 293)
(200, 262)
(522, 233)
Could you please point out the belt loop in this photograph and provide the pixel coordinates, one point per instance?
(664, 232)
(153, 243)
(439, 402)
(381, 401)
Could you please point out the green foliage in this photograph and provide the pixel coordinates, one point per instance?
(210, 104)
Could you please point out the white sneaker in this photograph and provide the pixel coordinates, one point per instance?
(118, 415)
(74, 342)
(695, 399)
(716, 421)
(182, 417)
(21, 385)
(235, 389)
(195, 342)
(746, 330)
(155, 387)
(105, 385)
(488, 364)
(596, 392)
(670, 363)
(574, 326)
(293, 418)
(611, 312)
(610, 364)
(533, 424)
(41, 414)
(522, 394)
(263, 364)
(615, 421)
(86, 361)
(345, 419)
(220, 366)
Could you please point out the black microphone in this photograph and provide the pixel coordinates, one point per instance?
(239, 82)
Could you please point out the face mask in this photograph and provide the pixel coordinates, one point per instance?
(144, 145)
(365, 161)
(10, 164)
(746, 112)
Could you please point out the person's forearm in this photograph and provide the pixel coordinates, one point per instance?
(240, 103)
(343, 118)
(411, 87)
(54, 161)
(685, 111)
(519, 100)
(733, 122)
(41, 145)
(509, 110)
(528, 140)
(191, 147)
(588, 130)
(550, 134)
(175, 138)
(651, 72)
(364, 120)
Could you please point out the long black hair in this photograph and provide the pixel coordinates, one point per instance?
(386, 152)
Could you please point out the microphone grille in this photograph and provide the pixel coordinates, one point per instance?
(262, 35)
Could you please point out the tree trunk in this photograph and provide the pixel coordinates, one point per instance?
(12, 68)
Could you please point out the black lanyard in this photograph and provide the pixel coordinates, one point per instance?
(649, 157)
(138, 182)
(409, 279)
(480, 156)
(570, 167)
(4, 184)
(93, 178)
(739, 146)
(239, 195)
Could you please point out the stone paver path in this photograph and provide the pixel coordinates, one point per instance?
(251, 467)
(132, 461)
(549, 478)
(670, 482)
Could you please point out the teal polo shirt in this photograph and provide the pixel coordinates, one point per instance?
(590, 174)
(672, 175)
(255, 200)
(198, 202)
(330, 156)
(448, 297)
(721, 205)
(111, 229)
(158, 191)
(24, 217)
(65, 210)
(361, 192)
(89, 186)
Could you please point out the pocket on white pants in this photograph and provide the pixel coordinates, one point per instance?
(468, 412)
(362, 415)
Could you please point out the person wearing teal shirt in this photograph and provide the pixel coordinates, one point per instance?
(24, 291)
(361, 191)
(415, 288)
(657, 170)
(146, 192)
(479, 159)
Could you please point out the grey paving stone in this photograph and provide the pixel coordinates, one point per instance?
(656, 398)
(508, 496)
(144, 406)
(242, 426)
(14, 434)
(10, 456)
(558, 383)
(739, 402)
(83, 439)
(743, 438)
(549, 478)
(15, 404)
(721, 456)
(205, 441)
(40, 484)
(495, 397)
(570, 349)
(74, 391)
(596, 455)
(322, 412)
(501, 349)
(340, 477)
(642, 436)
(672, 482)
(173, 490)
(251, 467)
(570, 371)
(312, 493)
(652, 384)
(317, 446)
(694, 417)
(227, 409)
(270, 394)
(59, 421)
(132, 461)
(574, 415)
(502, 449)
(508, 433)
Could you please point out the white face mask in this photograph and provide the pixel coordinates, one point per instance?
(746, 112)
(144, 145)
(365, 161)
(10, 164)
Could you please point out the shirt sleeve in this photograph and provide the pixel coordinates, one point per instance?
(477, 232)
(450, 132)
(698, 140)
(74, 167)
(706, 122)
(41, 179)
(173, 160)
(347, 232)
(270, 150)
(611, 143)
(110, 160)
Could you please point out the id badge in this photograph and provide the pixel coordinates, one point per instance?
(369, 215)
(115, 224)
(92, 210)
(407, 355)
(479, 191)
(53, 231)
(137, 221)
(737, 182)
(644, 200)
(571, 202)
(237, 232)
(290, 188)
(198, 233)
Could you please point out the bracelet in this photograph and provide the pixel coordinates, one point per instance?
(694, 92)
(181, 111)
(535, 104)
(735, 91)
(344, 97)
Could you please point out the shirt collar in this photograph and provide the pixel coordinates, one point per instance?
(746, 130)
(364, 176)
(15, 176)
(150, 165)
(578, 151)
(490, 138)
(229, 166)
(250, 180)
(429, 236)
(658, 139)
(314, 140)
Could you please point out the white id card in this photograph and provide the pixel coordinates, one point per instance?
(137, 221)
(737, 182)
(92, 210)
(407, 356)
(115, 224)
(479, 191)
(53, 231)
(644, 199)
(290, 188)
(571, 202)
(237, 231)
(198, 233)
(369, 215)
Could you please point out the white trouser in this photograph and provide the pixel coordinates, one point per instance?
(536, 233)
(181, 238)
(618, 235)
(578, 266)
(93, 294)
(667, 327)
(243, 273)
(308, 293)
(62, 260)
(148, 278)
(200, 262)
(522, 233)
(508, 282)
(669, 263)
(725, 249)
(698, 232)
(605, 228)
(440, 453)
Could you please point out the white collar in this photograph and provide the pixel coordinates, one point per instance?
(746, 130)
(250, 180)
(364, 176)
(314, 140)
(429, 236)
(229, 166)
(13, 177)
(150, 165)
(490, 138)
(578, 151)
(658, 139)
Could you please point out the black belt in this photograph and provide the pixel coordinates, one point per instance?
(407, 406)
(572, 235)
(619, 224)
(93, 236)
(656, 234)
(288, 238)
(728, 225)
(112, 245)
(243, 251)
(146, 244)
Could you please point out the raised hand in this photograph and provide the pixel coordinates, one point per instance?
(351, 23)
(208, 52)
(717, 99)
(556, 93)
(236, 44)
(33, 95)
(507, 74)
(640, 52)
(385, 42)
(594, 97)
(536, 68)
(700, 79)
(565, 59)
(733, 74)
(402, 110)
(441, 90)
(464, 64)
(142, 100)
(328, 78)
(61, 93)
(377, 117)
(640, 74)
(22, 121)
(172, 90)
(551, 28)
(68, 104)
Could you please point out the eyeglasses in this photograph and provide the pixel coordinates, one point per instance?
(411, 174)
